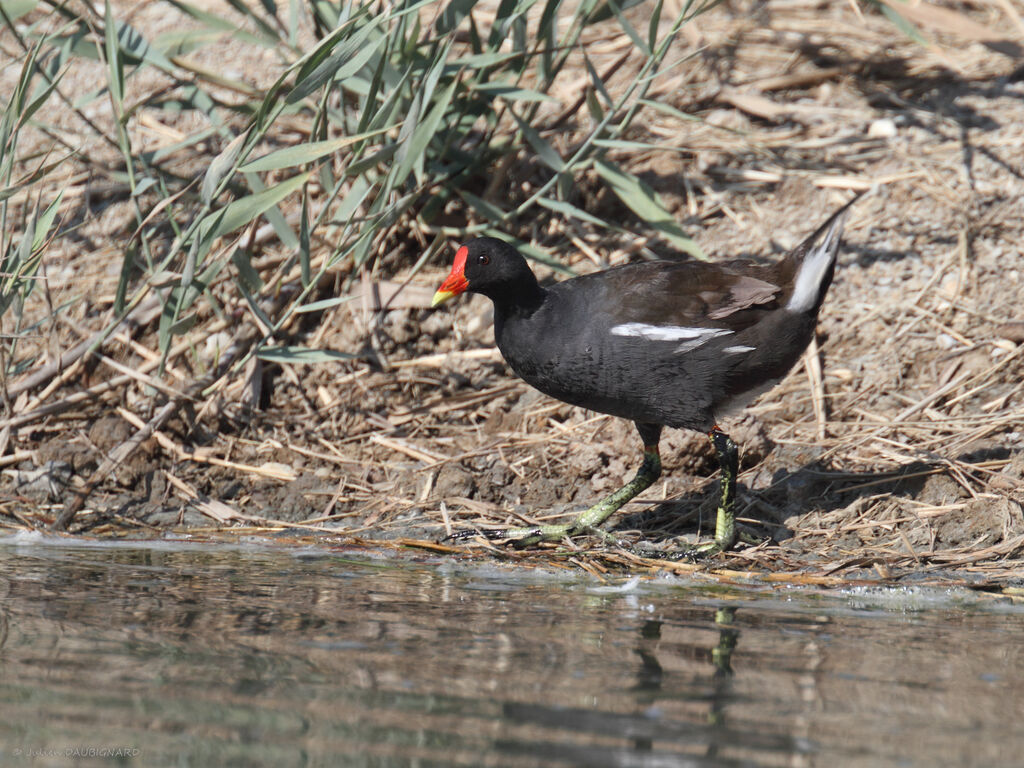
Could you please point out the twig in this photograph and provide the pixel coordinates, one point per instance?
(116, 456)
(271, 470)
(242, 342)
(142, 315)
(411, 451)
(812, 362)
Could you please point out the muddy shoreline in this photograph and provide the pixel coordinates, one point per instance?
(895, 449)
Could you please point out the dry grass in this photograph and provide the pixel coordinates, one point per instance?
(897, 447)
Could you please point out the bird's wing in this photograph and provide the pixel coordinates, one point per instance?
(682, 294)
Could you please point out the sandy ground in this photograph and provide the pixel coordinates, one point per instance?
(895, 450)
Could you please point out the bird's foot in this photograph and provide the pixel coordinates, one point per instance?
(752, 540)
(590, 520)
(690, 552)
(520, 538)
(699, 552)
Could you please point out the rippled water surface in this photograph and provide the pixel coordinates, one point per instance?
(179, 654)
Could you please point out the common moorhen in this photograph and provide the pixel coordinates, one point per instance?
(662, 343)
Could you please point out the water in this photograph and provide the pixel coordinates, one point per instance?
(190, 655)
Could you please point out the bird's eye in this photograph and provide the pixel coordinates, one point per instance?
(483, 259)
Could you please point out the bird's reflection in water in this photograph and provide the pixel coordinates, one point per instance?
(697, 700)
(721, 657)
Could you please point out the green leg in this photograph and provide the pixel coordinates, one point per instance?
(589, 520)
(725, 522)
(729, 461)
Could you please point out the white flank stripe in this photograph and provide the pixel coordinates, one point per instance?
(691, 337)
(738, 349)
(667, 332)
(812, 271)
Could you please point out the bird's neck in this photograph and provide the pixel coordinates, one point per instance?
(526, 298)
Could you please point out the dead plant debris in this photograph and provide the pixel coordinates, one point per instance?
(896, 452)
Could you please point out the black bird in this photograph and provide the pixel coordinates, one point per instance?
(662, 343)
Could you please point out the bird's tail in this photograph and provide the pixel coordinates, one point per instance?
(816, 260)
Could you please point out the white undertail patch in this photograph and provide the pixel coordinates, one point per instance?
(691, 337)
(813, 269)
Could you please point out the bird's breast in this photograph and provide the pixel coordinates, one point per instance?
(563, 361)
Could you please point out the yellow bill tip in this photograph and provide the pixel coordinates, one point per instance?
(440, 298)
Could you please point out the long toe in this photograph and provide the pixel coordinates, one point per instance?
(459, 536)
(517, 537)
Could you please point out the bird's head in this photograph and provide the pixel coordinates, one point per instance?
(489, 266)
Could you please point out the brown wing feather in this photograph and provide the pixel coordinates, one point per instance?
(692, 294)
